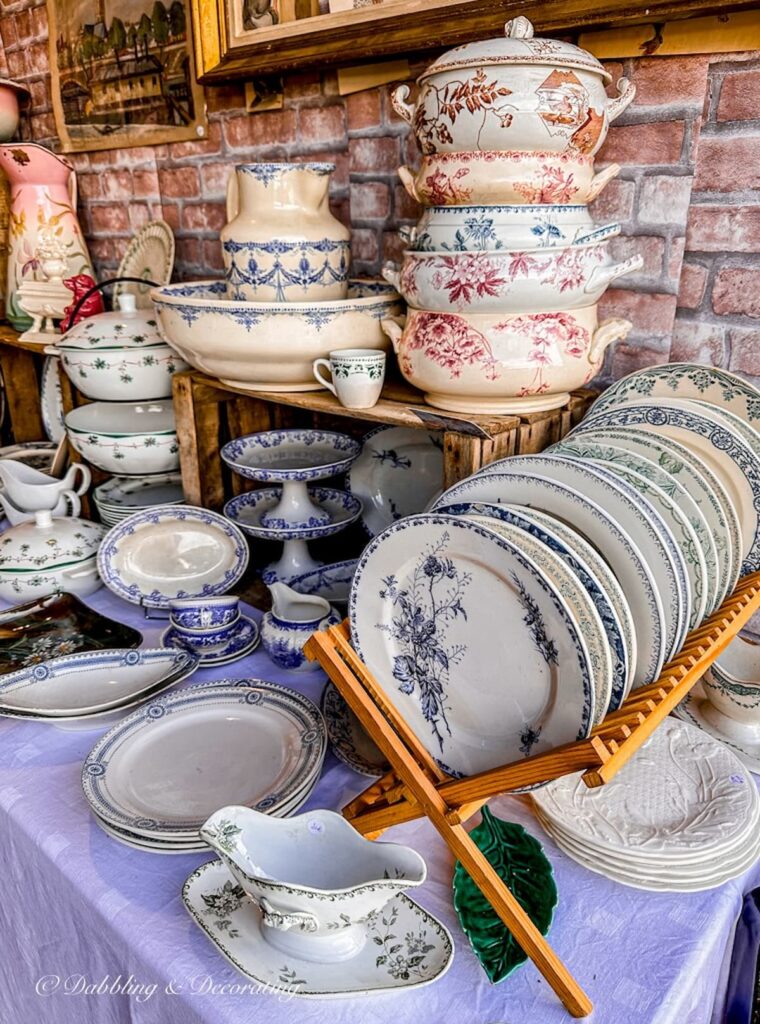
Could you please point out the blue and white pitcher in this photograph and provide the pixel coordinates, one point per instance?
(293, 618)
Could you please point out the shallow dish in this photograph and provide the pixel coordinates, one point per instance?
(155, 556)
(269, 346)
(248, 511)
(240, 640)
(124, 438)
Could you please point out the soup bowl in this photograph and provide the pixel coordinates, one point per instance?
(125, 438)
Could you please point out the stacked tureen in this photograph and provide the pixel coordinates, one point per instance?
(505, 268)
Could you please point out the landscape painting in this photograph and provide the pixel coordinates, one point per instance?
(123, 73)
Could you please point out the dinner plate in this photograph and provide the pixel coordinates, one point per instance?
(470, 642)
(172, 551)
(168, 766)
(744, 742)
(724, 451)
(84, 683)
(601, 530)
(348, 738)
(686, 380)
(399, 472)
(122, 495)
(51, 400)
(151, 845)
(682, 465)
(609, 695)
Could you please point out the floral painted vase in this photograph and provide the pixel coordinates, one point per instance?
(43, 208)
(290, 623)
(282, 243)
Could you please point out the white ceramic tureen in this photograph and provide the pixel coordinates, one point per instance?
(119, 355)
(514, 93)
(49, 555)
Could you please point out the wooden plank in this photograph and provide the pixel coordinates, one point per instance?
(22, 392)
(198, 429)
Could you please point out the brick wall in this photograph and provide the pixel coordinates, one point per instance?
(688, 195)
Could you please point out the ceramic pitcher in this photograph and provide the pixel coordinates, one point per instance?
(290, 623)
(43, 209)
(282, 243)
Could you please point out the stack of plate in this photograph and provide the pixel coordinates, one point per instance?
(681, 816)
(154, 779)
(120, 496)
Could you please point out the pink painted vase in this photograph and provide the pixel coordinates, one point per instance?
(43, 210)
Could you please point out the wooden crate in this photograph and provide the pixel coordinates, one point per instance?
(210, 413)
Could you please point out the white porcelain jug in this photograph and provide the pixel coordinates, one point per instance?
(33, 491)
(290, 623)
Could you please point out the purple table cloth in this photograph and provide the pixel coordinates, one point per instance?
(94, 932)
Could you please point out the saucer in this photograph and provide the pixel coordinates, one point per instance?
(243, 640)
(246, 512)
(406, 947)
(702, 713)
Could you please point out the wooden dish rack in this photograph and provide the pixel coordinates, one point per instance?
(416, 787)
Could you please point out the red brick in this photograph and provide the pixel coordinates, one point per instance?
(208, 217)
(627, 356)
(225, 97)
(139, 215)
(692, 286)
(330, 85)
(664, 199)
(737, 290)
(374, 156)
(8, 34)
(117, 184)
(39, 22)
(728, 163)
(393, 246)
(739, 96)
(364, 110)
(16, 61)
(145, 183)
(179, 182)
(110, 218)
(650, 314)
(40, 97)
(650, 247)
(323, 125)
(208, 146)
(745, 350)
(615, 202)
(137, 156)
(340, 207)
(723, 229)
(189, 251)
(102, 250)
(670, 81)
(214, 178)
(267, 129)
(89, 186)
(212, 256)
(170, 213)
(23, 21)
(616, 71)
(364, 245)
(304, 85)
(405, 208)
(658, 142)
(38, 58)
(370, 200)
(697, 342)
(674, 260)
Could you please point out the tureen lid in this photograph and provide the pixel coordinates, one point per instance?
(517, 47)
(123, 328)
(49, 543)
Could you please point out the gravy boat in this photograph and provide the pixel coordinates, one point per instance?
(315, 880)
(32, 491)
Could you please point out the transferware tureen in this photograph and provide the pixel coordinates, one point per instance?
(49, 555)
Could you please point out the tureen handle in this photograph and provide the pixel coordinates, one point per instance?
(606, 275)
(401, 104)
(392, 274)
(394, 328)
(626, 91)
(519, 28)
(407, 180)
(607, 332)
(600, 180)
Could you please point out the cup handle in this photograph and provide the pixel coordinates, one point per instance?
(75, 504)
(325, 383)
(85, 481)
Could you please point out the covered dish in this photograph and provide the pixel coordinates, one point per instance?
(49, 555)
(513, 93)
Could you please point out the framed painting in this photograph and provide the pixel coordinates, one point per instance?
(123, 73)
(243, 38)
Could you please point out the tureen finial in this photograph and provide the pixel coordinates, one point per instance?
(519, 28)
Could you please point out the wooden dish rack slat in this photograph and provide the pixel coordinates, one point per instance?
(416, 787)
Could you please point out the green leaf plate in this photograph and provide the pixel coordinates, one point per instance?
(520, 862)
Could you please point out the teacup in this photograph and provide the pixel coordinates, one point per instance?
(357, 376)
(204, 612)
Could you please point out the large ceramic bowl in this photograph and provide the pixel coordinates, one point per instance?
(269, 346)
(533, 281)
(522, 226)
(515, 92)
(489, 363)
(505, 177)
(125, 438)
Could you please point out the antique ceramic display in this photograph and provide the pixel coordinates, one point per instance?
(11, 94)
(522, 865)
(636, 514)
(43, 209)
(33, 491)
(491, 228)
(291, 458)
(291, 621)
(154, 556)
(600, 529)
(233, 643)
(513, 281)
(86, 683)
(51, 400)
(399, 472)
(516, 92)
(450, 685)
(333, 582)
(149, 256)
(505, 177)
(49, 556)
(730, 458)
(356, 376)
(204, 612)
(251, 742)
(673, 819)
(213, 899)
(741, 737)
(121, 496)
(348, 740)
(315, 880)
(281, 242)
(478, 362)
(49, 627)
(124, 438)
(118, 355)
(269, 346)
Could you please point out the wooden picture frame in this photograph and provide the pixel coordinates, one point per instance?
(223, 50)
(126, 78)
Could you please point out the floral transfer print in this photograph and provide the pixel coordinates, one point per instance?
(421, 614)
(442, 106)
(449, 341)
(403, 956)
(554, 181)
(545, 332)
(222, 904)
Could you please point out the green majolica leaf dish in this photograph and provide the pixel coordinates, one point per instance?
(520, 862)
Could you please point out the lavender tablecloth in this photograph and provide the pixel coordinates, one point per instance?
(93, 932)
